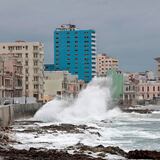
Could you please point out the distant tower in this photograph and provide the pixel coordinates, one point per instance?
(158, 68)
(75, 51)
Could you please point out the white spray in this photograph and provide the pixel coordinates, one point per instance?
(91, 104)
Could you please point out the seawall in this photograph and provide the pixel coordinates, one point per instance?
(9, 113)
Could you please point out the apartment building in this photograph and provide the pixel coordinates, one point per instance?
(31, 55)
(75, 51)
(10, 76)
(105, 63)
(158, 68)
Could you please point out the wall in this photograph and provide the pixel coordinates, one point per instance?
(10, 113)
(6, 115)
(25, 110)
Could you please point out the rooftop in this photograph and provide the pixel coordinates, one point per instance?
(67, 27)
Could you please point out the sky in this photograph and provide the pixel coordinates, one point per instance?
(128, 30)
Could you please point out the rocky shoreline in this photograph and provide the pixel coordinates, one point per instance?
(80, 154)
(76, 152)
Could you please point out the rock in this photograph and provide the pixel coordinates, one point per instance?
(102, 149)
(33, 154)
(101, 155)
(143, 154)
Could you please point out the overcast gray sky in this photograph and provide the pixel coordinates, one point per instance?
(126, 29)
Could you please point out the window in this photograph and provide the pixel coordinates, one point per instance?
(35, 55)
(26, 71)
(26, 78)
(35, 47)
(147, 88)
(153, 88)
(19, 55)
(35, 70)
(143, 89)
(35, 86)
(35, 78)
(26, 55)
(35, 63)
(3, 47)
(26, 63)
(26, 86)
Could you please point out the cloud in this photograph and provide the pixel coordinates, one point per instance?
(126, 29)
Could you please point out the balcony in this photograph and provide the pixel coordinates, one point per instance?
(18, 87)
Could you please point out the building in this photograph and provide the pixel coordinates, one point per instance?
(48, 67)
(31, 55)
(158, 68)
(75, 51)
(10, 76)
(140, 87)
(148, 90)
(105, 63)
(117, 84)
(61, 83)
(129, 93)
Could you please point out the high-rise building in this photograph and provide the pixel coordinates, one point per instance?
(158, 68)
(105, 63)
(31, 56)
(75, 51)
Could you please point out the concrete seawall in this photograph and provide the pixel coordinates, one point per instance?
(9, 113)
(6, 116)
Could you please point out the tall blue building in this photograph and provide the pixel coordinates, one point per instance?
(75, 51)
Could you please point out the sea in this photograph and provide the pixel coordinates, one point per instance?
(107, 124)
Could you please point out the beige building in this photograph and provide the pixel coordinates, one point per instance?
(105, 63)
(61, 83)
(31, 55)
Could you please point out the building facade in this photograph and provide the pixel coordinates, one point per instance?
(149, 90)
(31, 55)
(62, 84)
(10, 76)
(75, 51)
(158, 68)
(105, 63)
